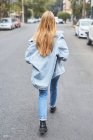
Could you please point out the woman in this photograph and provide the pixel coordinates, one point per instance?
(46, 51)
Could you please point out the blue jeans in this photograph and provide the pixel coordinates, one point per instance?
(43, 98)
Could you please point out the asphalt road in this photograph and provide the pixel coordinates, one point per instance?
(73, 119)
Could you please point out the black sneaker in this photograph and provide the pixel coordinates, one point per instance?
(52, 109)
(43, 127)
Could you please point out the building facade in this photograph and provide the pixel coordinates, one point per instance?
(67, 6)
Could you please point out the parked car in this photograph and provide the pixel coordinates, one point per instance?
(32, 20)
(82, 27)
(90, 34)
(59, 20)
(7, 23)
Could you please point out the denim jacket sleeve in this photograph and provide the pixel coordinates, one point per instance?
(63, 51)
(29, 51)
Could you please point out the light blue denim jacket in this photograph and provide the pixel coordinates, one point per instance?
(46, 68)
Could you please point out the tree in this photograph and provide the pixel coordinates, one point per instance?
(64, 15)
(88, 9)
(80, 8)
(29, 13)
(39, 6)
(15, 7)
(55, 6)
(4, 8)
(76, 8)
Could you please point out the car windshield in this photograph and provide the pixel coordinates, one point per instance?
(4, 21)
(85, 23)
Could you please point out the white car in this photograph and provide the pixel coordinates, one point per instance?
(90, 34)
(82, 27)
(59, 20)
(7, 23)
(31, 20)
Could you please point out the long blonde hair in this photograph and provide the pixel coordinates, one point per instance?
(44, 36)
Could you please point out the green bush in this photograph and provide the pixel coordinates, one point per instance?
(64, 15)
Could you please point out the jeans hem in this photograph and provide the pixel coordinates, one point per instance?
(43, 119)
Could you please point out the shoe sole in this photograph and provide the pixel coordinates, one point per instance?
(42, 131)
(53, 110)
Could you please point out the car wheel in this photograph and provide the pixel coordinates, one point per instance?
(89, 42)
(78, 35)
(75, 34)
(11, 28)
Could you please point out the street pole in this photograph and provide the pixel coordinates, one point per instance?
(83, 10)
(22, 11)
(92, 9)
